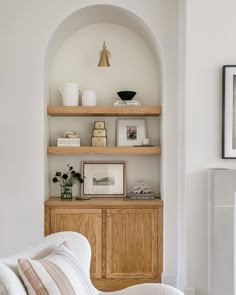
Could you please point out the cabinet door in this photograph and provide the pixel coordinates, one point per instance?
(133, 239)
(88, 222)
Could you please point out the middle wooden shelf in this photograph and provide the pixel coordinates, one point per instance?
(112, 150)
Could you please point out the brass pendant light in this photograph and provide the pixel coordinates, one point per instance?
(104, 55)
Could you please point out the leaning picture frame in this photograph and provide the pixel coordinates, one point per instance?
(103, 179)
(229, 112)
(131, 132)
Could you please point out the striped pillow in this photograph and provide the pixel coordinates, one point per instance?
(58, 273)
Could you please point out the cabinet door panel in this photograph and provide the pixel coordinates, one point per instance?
(132, 244)
(88, 222)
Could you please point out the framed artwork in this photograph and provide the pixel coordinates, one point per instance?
(103, 178)
(131, 132)
(229, 112)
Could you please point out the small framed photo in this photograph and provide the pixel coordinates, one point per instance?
(131, 132)
(229, 112)
(103, 178)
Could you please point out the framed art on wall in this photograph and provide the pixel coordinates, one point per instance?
(103, 178)
(229, 112)
(131, 132)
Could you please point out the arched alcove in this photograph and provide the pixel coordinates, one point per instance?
(136, 64)
(109, 14)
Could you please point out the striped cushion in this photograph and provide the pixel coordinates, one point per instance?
(59, 273)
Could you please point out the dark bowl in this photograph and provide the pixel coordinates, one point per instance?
(126, 95)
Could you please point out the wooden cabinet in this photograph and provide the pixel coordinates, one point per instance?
(131, 243)
(88, 222)
(126, 237)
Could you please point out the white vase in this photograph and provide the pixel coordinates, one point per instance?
(89, 98)
(70, 94)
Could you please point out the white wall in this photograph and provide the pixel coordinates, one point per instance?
(210, 43)
(26, 28)
(181, 156)
(133, 66)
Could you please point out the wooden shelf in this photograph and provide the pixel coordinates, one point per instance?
(113, 150)
(108, 111)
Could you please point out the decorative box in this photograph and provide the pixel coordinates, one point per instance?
(99, 141)
(99, 132)
(99, 124)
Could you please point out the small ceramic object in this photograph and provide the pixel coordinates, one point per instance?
(145, 141)
(141, 187)
(70, 94)
(89, 98)
(70, 134)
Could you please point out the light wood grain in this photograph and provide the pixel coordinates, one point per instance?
(160, 241)
(47, 223)
(104, 111)
(131, 243)
(104, 237)
(94, 203)
(112, 150)
(126, 237)
(88, 222)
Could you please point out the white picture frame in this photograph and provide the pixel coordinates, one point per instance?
(103, 179)
(131, 132)
(229, 112)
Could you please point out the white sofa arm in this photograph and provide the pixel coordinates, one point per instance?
(147, 289)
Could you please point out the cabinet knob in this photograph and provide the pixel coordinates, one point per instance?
(108, 213)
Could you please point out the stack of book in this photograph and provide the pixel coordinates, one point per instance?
(142, 196)
(68, 141)
(133, 102)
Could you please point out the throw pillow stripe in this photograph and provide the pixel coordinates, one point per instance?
(59, 277)
(78, 270)
(32, 277)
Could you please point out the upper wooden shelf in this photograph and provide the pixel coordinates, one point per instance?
(118, 150)
(109, 111)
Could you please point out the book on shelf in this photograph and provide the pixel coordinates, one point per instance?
(142, 196)
(65, 139)
(133, 102)
(68, 142)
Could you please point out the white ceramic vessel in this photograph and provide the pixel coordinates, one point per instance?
(70, 94)
(89, 97)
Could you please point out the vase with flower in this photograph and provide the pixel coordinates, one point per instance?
(66, 181)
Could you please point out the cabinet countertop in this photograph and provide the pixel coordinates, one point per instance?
(107, 202)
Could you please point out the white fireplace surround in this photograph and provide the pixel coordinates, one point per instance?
(222, 231)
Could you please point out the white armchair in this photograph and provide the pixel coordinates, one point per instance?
(11, 284)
